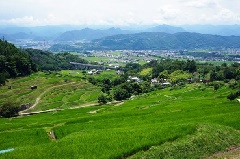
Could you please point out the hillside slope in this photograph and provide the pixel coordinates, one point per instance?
(157, 40)
(14, 62)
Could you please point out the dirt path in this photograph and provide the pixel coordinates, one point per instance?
(24, 113)
(39, 97)
(233, 153)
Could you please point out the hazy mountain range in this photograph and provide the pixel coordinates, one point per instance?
(160, 41)
(154, 41)
(76, 33)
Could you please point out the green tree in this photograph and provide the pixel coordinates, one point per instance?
(156, 70)
(190, 66)
(102, 99)
(2, 79)
(164, 74)
(9, 109)
(121, 94)
(179, 76)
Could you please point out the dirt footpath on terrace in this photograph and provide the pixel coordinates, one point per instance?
(39, 97)
(233, 153)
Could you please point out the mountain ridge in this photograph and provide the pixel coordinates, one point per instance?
(59, 33)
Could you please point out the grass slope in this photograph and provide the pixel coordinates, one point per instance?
(55, 90)
(205, 141)
(192, 122)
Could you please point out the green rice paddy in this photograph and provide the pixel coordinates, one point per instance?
(186, 122)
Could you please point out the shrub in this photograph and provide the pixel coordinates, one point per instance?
(233, 96)
(121, 94)
(9, 109)
(103, 98)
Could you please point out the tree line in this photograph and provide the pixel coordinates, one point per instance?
(177, 72)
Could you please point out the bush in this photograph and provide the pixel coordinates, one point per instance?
(9, 109)
(103, 99)
(233, 96)
(216, 85)
(121, 94)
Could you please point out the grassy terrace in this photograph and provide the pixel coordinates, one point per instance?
(55, 90)
(191, 122)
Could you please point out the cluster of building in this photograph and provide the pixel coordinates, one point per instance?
(137, 56)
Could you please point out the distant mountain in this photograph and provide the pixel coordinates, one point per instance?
(14, 30)
(224, 30)
(89, 34)
(63, 33)
(166, 29)
(13, 33)
(16, 36)
(184, 40)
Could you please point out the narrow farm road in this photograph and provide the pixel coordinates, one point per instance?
(24, 112)
(39, 97)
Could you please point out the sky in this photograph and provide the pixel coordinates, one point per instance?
(119, 12)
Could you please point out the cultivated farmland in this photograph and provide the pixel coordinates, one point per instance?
(194, 121)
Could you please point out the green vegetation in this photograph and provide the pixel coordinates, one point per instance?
(167, 118)
(55, 90)
(205, 141)
(14, 62)
(49, 61)
(9, 109)
(146, 71)
(164, 41)
(192, 117)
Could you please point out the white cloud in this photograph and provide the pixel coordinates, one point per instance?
(200, 4)
(119, 12)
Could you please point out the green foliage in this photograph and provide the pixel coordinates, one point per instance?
(3, 78)
(233, 96)
(179, 76)
(146, 71)
(201, 144)
(181, 121)
(163, 75)
(54, 62)
(119, 80)
(164, 41)
(132, 68)
(103, 98)
(14, 62)
(121, 94)
(233, 84)
(216, 84)
(190, 66)
(93, 80)
(56, 90)
(9, 109)
(168, 66)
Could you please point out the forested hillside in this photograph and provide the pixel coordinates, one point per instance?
(160, 41)
(49, 61)
(14, 62)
